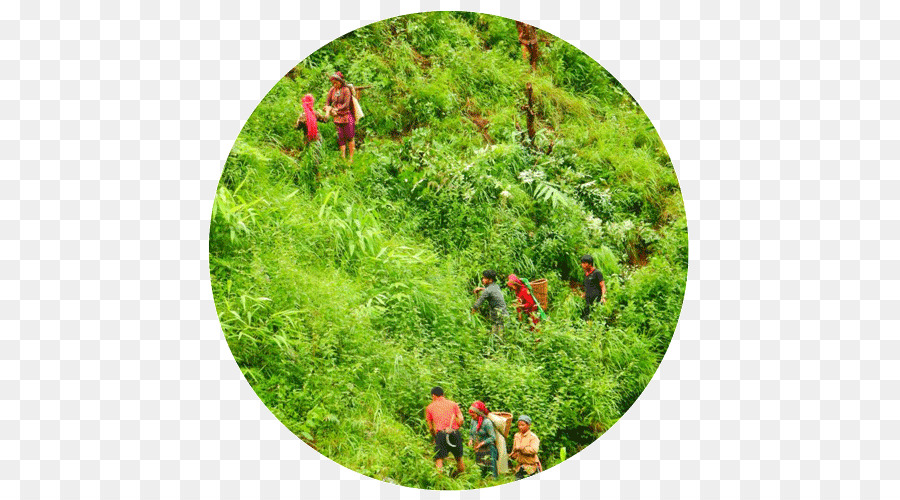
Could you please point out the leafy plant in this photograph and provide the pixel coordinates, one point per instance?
(344, 291)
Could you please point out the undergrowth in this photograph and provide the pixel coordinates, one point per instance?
(344, 291)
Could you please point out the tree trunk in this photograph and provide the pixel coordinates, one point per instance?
(528, 39)
(529, 112)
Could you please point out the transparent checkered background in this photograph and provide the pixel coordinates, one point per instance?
(781, 118)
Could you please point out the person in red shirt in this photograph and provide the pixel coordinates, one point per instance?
(444, 418)
(526, 303)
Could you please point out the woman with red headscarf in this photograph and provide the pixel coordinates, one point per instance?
(481, 438)
(308, 118)
(526, 303)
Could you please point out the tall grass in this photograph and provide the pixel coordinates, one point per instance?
(344, 291)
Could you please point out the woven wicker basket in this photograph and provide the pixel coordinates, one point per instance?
(507, 419)
(540, 292)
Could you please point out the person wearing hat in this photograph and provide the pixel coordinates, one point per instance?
(525, 449)
(444, 419)
(339, 104)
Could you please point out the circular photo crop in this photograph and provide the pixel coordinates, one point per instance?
(448, 250)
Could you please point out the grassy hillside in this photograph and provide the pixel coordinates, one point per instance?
(344, 291)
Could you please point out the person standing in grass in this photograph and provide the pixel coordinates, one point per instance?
(444, 419)
(494, 297)
(594, 286)
(482, 440)
(525, 449)
(526, 303)
(339, 104)
(308, 121)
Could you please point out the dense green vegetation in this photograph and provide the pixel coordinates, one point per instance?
(344, 291)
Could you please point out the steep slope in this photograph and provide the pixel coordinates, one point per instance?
(343, 291)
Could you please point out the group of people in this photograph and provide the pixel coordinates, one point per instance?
(526, 304)
(339, 106)
(444, 420)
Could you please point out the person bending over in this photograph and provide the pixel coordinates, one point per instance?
(494, 297)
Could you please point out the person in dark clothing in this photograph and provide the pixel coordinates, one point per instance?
(594, 286)
(494, 297)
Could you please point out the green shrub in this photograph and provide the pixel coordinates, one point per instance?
(344, 291)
